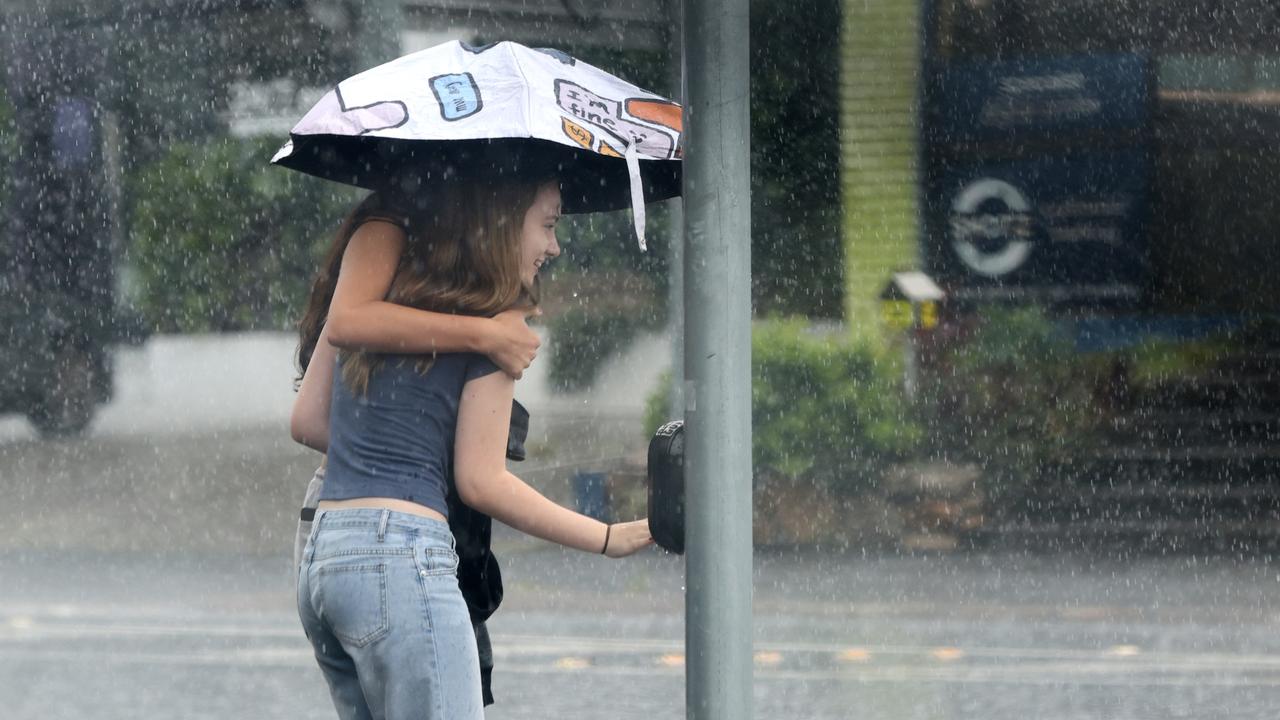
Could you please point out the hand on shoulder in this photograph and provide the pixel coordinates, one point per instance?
(514, 344)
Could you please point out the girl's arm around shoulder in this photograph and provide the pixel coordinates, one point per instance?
(360, 318)
(484, 483)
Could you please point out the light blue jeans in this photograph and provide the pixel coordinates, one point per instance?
(378, 597)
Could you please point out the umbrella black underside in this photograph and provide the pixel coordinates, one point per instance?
(589, 182)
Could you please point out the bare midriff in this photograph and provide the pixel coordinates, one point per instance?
(381, 503)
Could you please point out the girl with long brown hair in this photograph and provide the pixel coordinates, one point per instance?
(377, 592)
(505, 338)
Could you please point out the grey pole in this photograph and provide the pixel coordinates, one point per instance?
(717, 279)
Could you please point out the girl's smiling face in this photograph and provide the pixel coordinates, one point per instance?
(538, 235)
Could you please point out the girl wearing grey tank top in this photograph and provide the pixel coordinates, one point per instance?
(506, 339)
(371, 560)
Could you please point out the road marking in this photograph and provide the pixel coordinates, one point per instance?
(916, 674)
(31, 628)
(65, 622)
(20, 622)
(768, 658)
(671, 660)
(107, 657)
(21, 636)
(1098, 673)
(854, 655)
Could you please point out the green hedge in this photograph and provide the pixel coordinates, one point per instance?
(221, 240)
(824, 408)
(1012, 394)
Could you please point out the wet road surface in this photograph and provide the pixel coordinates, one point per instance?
(144, 573)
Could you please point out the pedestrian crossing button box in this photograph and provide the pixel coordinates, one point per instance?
(666, 487)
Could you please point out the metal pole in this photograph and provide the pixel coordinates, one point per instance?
(717, 279)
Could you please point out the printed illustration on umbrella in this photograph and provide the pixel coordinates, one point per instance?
(613, 143)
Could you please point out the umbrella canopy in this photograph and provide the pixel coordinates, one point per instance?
(611, 143)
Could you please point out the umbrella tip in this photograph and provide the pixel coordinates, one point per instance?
(285, 151)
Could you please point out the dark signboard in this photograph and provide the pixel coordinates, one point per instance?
(1037, 178)
(1043, 95)
(1068, 225)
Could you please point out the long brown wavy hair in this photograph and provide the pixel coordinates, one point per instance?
(375, 206)
(461, 255)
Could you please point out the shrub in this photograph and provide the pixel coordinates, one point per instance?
(1159, 360)
(221, 240)
(1011, 395)
(824, 409)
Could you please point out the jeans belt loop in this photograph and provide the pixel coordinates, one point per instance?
(382, 524)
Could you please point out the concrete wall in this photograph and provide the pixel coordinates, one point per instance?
(198, 383)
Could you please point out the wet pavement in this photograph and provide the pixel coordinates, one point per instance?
(124, 635)
(144, 573)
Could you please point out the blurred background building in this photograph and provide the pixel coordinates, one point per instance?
(1089, 185)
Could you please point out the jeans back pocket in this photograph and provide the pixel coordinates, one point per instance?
(434, 561)
(353, 602)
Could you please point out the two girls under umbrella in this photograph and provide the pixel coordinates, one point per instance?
(416, 333)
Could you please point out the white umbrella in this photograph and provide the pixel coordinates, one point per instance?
(613, 143)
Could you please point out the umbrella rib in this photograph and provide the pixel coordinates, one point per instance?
(528, 94)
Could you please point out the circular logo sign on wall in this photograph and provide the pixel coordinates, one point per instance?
(991, 227)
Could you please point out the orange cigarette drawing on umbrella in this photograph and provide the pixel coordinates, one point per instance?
(663, 114)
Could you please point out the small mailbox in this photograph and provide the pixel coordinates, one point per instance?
(910, 304)
(666, 487)
(910, 301)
